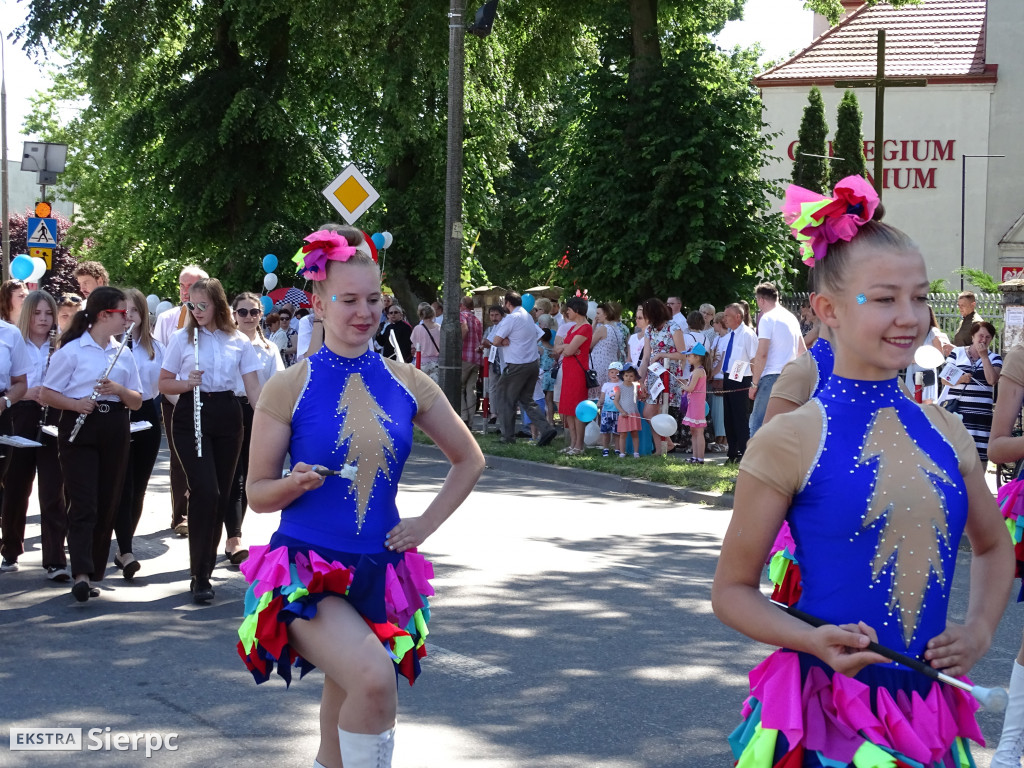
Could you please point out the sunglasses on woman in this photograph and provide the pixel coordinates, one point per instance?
(202, 306)
(243, 312)
(121, 312)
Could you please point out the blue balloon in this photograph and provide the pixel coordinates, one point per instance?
(269, 262)
(268, 304)
(586, 411)
(528, 301)
(21, 267)
(378, 240)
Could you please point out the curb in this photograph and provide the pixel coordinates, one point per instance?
(600, 481)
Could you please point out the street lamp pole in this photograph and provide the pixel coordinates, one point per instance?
(451, 332)
(963, 208)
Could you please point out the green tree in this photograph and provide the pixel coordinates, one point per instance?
(848, 146)
(810, 168)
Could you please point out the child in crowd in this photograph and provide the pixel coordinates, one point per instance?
(699, 360)
(606, 404)
(626, 397)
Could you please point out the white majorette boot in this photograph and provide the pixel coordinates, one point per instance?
(366, 750)
(1011, 743)
(318, 764)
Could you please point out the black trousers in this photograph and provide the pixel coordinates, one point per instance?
(736, 396)
(209, 476)
(179, 504)
(235, 512)
(93, 467)
(145, 446)
(24, 462)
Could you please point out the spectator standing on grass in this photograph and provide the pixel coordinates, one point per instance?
(778, 341)
(472, 358)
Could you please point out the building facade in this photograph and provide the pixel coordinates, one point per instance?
(935, 136)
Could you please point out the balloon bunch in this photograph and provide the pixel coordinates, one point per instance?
(156, 306)
(26, 268)
(382, 240)
(269, 282)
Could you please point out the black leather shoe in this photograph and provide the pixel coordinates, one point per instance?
(202, 593)
(547, 437)
(82, 591)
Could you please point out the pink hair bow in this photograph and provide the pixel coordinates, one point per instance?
(322, 246)
(817, 220)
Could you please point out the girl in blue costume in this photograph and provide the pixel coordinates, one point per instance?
(341, 585)
(877, 491)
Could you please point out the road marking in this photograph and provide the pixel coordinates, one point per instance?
(461, 666)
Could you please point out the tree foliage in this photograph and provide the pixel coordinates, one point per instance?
(811, 166)
(848, 146)
(613, 129)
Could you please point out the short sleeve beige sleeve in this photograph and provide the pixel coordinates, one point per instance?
(1013, 366)
(282, 391)
(953, 430)
(797, 379)
(420, 386)
(783, 450)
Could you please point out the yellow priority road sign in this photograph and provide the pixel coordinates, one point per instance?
(351, 194)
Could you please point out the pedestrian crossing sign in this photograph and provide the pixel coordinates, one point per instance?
(46, 254)
(351, 194)
(42, 233)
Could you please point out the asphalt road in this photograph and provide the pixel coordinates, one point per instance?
(571, 627)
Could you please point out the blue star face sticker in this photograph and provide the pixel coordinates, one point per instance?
(862, 299)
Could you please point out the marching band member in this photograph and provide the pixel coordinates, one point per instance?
(16, 362)
(247, 311)
(94, 386)
(145, 444)
(208, 354)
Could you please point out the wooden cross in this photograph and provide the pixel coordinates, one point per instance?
(880, 83)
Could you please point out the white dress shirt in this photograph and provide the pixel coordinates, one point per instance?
(14, 357)
(522, 333)
(38, 356)
(149, 370)
(744, 348)
(166, 323)
(222, 356)
(78, 365)
(271, 362)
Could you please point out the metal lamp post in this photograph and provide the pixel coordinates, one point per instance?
(963, 208)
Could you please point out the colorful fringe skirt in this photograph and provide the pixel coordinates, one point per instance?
(801, 714)
(1011, 504)
(783, 568)
(288, 578)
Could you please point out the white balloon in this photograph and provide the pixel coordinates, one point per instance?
(664, 425)
(38, 269)
(592, 434)
(270, 281)
(388, 239)
(162, 307)
(929, 357)
(152, 301)
(591, 310)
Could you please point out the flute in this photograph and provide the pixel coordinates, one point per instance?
(46, 408)
(96, 390)
(197, 404)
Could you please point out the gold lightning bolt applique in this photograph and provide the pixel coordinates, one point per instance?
(915, 515)
(369, 442)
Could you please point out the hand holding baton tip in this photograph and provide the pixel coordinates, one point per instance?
(347, 472)
(993, 699)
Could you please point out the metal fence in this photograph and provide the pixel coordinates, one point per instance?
(990, 306)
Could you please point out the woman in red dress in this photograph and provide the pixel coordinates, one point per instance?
(575, 352)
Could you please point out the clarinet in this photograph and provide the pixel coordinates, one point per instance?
(197, 404)
(46, 408)
(96, 390)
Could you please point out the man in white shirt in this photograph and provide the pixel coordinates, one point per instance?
(740, 345)
(779, 340)
(166, 324)
(517, 335)
(675, 306)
